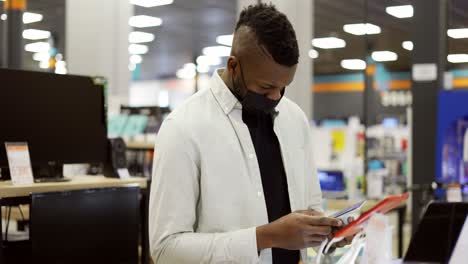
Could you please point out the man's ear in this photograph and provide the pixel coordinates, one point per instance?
(232, 64)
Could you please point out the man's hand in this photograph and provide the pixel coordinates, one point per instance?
(296, 230)
(347, 240)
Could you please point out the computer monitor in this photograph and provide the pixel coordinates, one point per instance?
(61, 117)
(85, 226)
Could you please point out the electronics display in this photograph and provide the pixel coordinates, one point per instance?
(61, 117)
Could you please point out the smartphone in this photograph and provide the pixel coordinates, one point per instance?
(347, 212)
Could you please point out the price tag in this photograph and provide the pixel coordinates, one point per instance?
(19, 163)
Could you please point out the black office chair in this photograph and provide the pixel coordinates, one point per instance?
(86, 226)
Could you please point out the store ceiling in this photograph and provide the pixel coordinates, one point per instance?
(188, 26)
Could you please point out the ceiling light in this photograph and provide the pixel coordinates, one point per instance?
(361, 29)
(187, 72)
(353, 64)
(44, 64)
(225, 39)
(41, 56)
(35, 34)
(151, 3)
(328, 43)
(136, 59)
(140, 37)
(457, 58)
(313, 54)
(38, 47)
(3, 17)
(384, 56)
(407, 45)
(217, 51)
(402, 11)
(137, 49)
(143, 21)
(29, 17)
(458, 33)
(203, 68)
(208, 60)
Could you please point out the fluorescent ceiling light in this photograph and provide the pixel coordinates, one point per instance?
(187, 72)
(407, 45)
(44, 64)
(35, 34)
(3, 17)
(353, 64)
(137, 49)
(135, 59)
(42, 56)
(361, 29)
(402, 11)
(217, 51)
(140, 37)
(208, 60)
(457, 58)
(313, 54)
(203, 68)
(38, 47)
(143, 21)
(458, 33)
(328, 43)
(29, 17)
(151, 3)
(384, 56)
(225, 39)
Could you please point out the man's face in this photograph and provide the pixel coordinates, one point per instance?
(262, 75)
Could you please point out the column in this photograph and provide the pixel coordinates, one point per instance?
(14, 31)
(430, 47)
(300, 13)
(97, 41)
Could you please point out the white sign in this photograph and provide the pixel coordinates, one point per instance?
(460, 254)
(19, 163)
(424, 72)
(123, 173)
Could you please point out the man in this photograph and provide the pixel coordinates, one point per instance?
(233, 178)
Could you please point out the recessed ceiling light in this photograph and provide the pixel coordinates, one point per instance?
(143, 21)
(44, 64)
(401, 11)
(313, 54)
(38, 47)
(35, 34)
(225, 40)
(3, 17)
(328, 43)
(208, 60)
(140, 37)
(137, 49)
(217, 51)
(458, 33)
(407, 45)
(353, 64)
(384, 56)
(362, 29)
(43, 56)
(29, 17)
(151, 3)
(457, 58)
(135, 59)
(187, 72)
(202, 68)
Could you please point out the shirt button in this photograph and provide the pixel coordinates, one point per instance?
(259, 194)
(251, 156)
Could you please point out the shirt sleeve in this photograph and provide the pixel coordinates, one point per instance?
(173, 208)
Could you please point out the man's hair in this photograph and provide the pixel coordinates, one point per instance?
(273, 31)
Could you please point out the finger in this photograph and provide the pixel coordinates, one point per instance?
(312, 244)
(350, 219)
(310, 212)
(317, 230)
(341, 244)
(322, 221)
(315, 238)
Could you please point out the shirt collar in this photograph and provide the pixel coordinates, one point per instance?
(226, 100)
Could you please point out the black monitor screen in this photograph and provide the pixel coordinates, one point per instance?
(61, 117)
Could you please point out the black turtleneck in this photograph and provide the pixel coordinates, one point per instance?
(274, 182)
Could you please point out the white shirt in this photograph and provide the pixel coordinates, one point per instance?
(206, 196)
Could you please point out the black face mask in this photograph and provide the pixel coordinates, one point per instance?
(253, 101)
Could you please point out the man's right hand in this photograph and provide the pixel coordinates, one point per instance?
(295, 231)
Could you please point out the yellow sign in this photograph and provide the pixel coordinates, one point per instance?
(338, 138)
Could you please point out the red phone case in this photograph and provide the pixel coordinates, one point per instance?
(383, 207)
